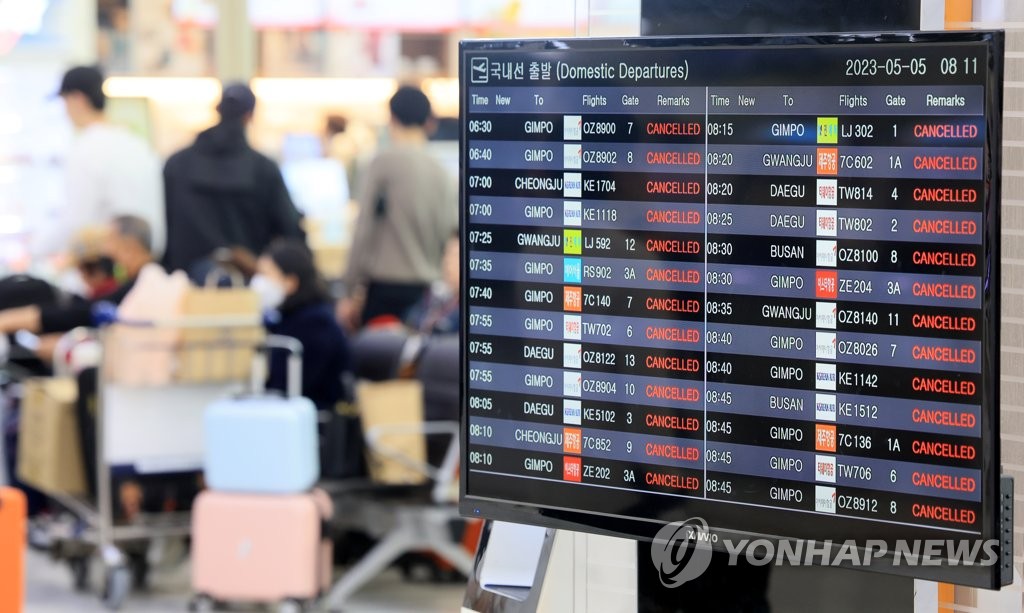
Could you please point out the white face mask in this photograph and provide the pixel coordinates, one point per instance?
(271, 292)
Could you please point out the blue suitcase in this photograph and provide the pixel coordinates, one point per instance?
(260, 443)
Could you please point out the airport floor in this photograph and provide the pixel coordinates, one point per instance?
(49, 590)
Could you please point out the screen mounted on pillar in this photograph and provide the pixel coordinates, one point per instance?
(752, 280)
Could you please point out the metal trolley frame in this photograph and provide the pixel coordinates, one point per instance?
(172, 416)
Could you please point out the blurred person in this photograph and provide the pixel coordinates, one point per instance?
(97, 276)
(223, 194)
(298, 305)
(437, 312)
(350, 142)
(407, 211)
(334, 125)
(113, 34)
(110, 171)
(91, 276)
(95, 268)
(129, 245)
(97, 279)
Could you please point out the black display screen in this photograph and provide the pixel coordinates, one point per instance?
(750, 279)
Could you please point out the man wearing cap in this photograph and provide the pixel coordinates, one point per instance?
(408, 210)
(223, 194)
(109, 170)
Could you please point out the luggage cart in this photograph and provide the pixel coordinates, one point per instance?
(152, 423)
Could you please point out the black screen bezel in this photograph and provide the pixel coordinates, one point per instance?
(577, 519)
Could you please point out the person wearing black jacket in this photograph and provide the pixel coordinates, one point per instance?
(296, 304)
(129, 245)
(223, 194)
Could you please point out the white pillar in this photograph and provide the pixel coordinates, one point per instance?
(235, 42)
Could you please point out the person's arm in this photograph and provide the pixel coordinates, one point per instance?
(244, 260)
(171, 187)
(81, 208)
(451, 210)
(448, 216)
(28, 318)
(80, 314)
(61, 318)
(155, 206)
(356, 275)
(47, 347)
(287, 221)
(369, 194)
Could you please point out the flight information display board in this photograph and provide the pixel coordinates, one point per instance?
(753, 280)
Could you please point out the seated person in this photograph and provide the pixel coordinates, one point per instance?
(297, 304)
(95, 267)
(95, 281)
(437, 312)
(128, 245)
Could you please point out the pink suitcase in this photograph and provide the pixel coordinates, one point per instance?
(260, 548)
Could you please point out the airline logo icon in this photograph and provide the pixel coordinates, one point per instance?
(828, 223)
(828, 130)
(572, 127)
(572, 469)
(572, 241)
(572, 270)
(572, 156)
(825, 407)
(825, 468)
(572, 440)
(572, 213)
(572, 355)
(828, 192)
(825, 315)
(573, 184)
(825, 377)
(828, 161)
(824, 499)
(572, 384)
(825, 438)
(825, 345)
(826, 284)
(572, 299)
(827, 253)
(572, 327)
(572, 412)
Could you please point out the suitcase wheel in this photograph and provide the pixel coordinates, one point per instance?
(291, 606)
(202, 604)
(116, 586)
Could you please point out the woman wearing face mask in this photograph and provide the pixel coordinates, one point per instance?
(296, 304)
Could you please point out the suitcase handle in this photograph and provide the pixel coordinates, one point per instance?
(261, 360)
(223, 267)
